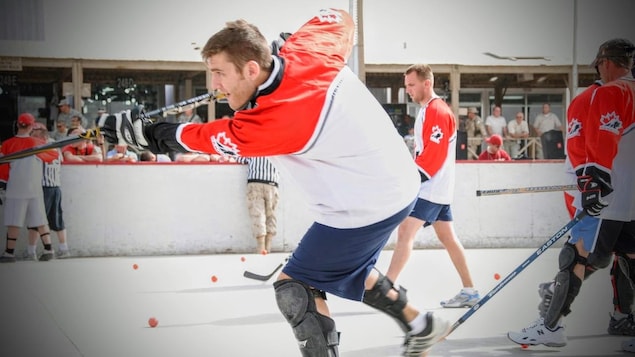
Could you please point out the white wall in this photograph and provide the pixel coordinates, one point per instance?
(433, 31)
(159, 209)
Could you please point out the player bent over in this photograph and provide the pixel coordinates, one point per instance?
(297, 105)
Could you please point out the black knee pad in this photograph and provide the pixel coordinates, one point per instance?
(622, 279)
(598, 261)
(315, 332)
(567, 285)
(378, 299)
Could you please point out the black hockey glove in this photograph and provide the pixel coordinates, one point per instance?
(3, 191)
(593, 185)
(125, 127)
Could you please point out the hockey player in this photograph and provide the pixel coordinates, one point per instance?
(598, 142)
(435, 146)
(298, 106)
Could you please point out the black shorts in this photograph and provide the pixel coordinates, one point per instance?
(53, 208)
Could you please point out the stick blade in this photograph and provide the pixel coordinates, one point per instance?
(250, 275)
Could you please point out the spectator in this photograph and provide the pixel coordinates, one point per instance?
(61, 131)
(494, 150)
(76, 123)
(82, 151)
(24, 205)
(51, 182)
(496, 123)
(262, 200)
(189, 116)
(518, 130)
(120, 153)
(544, 122)
(435, 153)
(475, 129)
(149, 156)
(66, 113)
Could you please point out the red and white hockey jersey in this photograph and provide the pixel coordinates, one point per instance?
(435, 143)
(610, 144)
(322, 129)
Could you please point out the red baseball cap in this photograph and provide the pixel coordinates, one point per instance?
(495, 140)
(26, 119)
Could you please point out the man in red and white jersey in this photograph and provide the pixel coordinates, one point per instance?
(297, 105)
(435, 149)
(24, 206)
(600, 134)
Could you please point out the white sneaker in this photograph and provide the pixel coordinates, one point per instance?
(629, 345)
(30, 257)
(63, 254)
(538, 334)
(462, 299)
(436, 329)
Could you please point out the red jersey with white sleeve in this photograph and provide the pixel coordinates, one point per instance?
(575, 144)
(302, 119)
(610, 144)
(435, 148)
(25, 175)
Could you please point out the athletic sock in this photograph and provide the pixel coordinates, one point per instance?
(47, 246)
(469, 291)
(418, 324)
(31, 249)
(63, 247)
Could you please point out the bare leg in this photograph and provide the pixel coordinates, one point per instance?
(447, 237)
(405, 241)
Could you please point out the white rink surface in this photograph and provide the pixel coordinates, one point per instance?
(99, 307)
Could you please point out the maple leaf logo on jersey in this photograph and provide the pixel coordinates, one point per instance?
(574, 128)
(224, 145)
(436, 135)
(611, 122)
(330, 16)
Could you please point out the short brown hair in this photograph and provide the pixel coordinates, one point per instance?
(241, 42)
(423, 71)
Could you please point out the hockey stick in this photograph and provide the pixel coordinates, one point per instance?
(250, 275)
(186, 104)
(88, 135)
(95, 133)
(504, 191)
(519, 269)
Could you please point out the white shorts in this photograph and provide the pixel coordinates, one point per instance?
(24, 212)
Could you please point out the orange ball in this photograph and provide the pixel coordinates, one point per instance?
(153, 322)
(135, 266)
(263, 252)
(214, 279)
(497, 276)
(242, 259)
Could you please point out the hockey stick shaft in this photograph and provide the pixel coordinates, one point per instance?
(518, 270)
(181, 106)
(89, 134)
(536, 189)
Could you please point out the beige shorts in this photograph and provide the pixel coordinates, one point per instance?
(24, 212)
(262, 200)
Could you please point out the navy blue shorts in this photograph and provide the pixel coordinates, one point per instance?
(339, 260)
(430, 212)
(53, 208)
